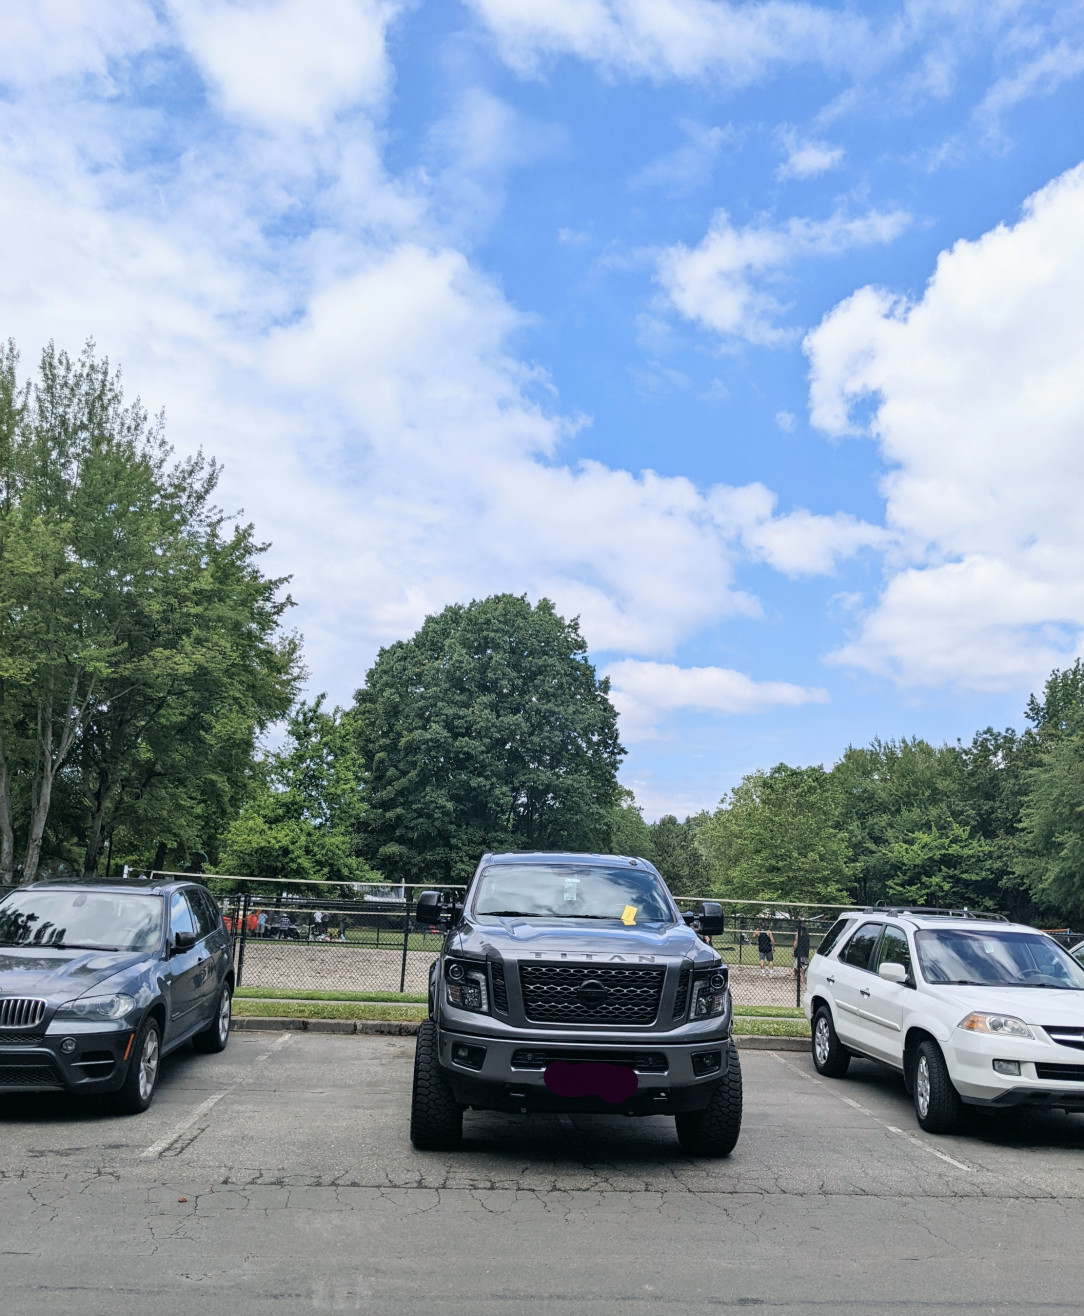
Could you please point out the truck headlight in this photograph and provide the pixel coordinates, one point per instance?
(97, 1007)
(466, 986)
(1000, 1025)
(709, 994)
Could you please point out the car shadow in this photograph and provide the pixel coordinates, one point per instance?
(1019, 1126)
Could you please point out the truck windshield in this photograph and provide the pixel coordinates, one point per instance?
(81, 920)
(621, 895)
(996, 959)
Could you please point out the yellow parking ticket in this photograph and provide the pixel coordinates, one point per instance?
(629, 915)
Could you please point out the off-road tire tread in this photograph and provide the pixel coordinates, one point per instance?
(436, 1118)
(207, 1040)
(945, 1109)
(839, 1058)
(714, 1130)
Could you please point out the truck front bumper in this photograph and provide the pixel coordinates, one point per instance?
(490, 1073)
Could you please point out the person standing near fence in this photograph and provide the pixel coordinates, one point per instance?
(766, 951)
(801, 950)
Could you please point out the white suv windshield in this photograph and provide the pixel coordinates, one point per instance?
(629, 895)
(996, 959)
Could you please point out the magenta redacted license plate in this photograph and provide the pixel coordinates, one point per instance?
(591, 1078)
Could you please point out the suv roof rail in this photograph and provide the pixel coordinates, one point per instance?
(935, 911)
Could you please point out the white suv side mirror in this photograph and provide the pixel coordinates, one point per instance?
(893, 972)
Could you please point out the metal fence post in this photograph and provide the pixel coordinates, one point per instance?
(409, 892)
(245, 897)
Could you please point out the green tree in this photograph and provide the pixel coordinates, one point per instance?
(679, 856)
(304, 817)
(629, 834)
(488, 730)
(778, 837)
(139, 647)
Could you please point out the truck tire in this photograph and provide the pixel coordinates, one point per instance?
(937, 1103)
(830, 1057)
(436, 1118)
(714, 1130)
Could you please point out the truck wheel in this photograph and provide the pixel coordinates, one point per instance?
(436, 1118)
(937, 1103)
(830, 1057)
(714, 1130)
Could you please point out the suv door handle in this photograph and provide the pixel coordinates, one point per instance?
(831, 980)
(862, 992)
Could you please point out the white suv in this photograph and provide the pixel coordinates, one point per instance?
(968, 1009)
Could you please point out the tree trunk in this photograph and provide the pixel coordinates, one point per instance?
(50, 765)
(159, 861)
(95, 837)
(7, 834)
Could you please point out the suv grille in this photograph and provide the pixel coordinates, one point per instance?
(586, 993)
(681, 1000)
(21, 1039)
(1064, 1073)
(1065, 1035)
(33, 1075)
(500, 987)
(21, 1012)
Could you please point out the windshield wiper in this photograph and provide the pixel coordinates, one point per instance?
(71, 945)
(508, 913)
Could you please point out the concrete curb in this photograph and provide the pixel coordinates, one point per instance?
(407, 1028)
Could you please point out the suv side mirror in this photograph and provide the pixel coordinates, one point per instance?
(183, 941)
(429, 909)
(892, 973)
(711, 919)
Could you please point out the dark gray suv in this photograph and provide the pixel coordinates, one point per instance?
(571, 982)
(99, 980)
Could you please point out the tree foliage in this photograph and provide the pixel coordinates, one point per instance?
(140, 645)
(488, 730)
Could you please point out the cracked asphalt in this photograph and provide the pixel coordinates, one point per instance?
(279, 1177)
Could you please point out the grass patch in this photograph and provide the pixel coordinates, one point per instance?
(304, 994)
(326, 1010)
(769, 1011)
(745, 1027)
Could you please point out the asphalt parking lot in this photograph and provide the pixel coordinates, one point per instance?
(278, 1177)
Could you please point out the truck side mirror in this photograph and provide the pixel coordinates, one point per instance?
(429, 909)
(688, 918)
(711, 919)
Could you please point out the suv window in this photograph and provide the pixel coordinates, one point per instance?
(894, 948)
(205, 910)
(180, 915)
(832, 936)
(860, 947)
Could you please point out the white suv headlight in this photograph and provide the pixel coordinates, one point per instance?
(998, 1025)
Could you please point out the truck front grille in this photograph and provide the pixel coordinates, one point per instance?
(644, 1062)
(586, 993)
(500, 987)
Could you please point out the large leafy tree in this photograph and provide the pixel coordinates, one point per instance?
(488, 730)
(304, 817)
(140, 650)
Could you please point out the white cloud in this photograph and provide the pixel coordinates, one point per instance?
(720, 282)
(807, 158)
(71, 38)
(978, 410)
(675, 38)
(687, 166)
(645, 693)
(277, 62)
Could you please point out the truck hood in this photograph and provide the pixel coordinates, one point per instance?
(1035, 1005)
(58, 975)
(518, 939)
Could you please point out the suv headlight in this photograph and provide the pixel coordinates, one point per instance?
(465, 984)
(999, 1025)
(97, 1007)
(709, 993)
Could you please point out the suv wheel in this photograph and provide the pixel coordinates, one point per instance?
(830, 1057)
(141, 1079)
(436, 1118)
(217, 1033)
(714, 1130)
(937, 1103)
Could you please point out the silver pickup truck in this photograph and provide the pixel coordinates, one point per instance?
(572, 982)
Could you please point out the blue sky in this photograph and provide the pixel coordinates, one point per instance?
(750, 333)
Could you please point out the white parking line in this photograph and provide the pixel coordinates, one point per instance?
(849, 1101)
(157, 1148)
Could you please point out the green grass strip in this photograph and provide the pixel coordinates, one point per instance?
(304, 994)
(325, 1010)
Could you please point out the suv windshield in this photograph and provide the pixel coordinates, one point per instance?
(81, 920)
(996, 959)
(627, 895)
